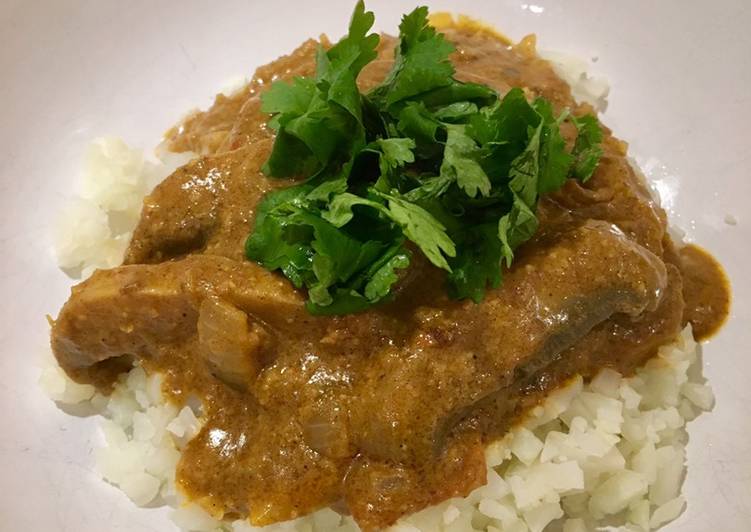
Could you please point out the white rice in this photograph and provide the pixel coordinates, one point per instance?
(94, 227)
(609, 452)
(574, 70)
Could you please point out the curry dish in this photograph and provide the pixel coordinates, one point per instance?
(387, 411)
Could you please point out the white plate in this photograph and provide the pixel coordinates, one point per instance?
(69, 71)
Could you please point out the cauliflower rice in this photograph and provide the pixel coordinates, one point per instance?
(610, 452)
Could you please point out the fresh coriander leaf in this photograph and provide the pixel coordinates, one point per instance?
(477, 264)
(421, 61)
(455, 112)
(396, 152)
(414, 27)
(307, 143)
(483, 126)
(340, 212)
(337, 68)
(501, 130)
(460, 162)
(319, 294)
(321, 120)
(337, 83)
(289, 157)
(459, 172)
(393, 153)
(555, 161)
(383, 278)
(338, 256)
(323, 129)
(377, 281)
(292, 99)
(516, 227)
(369, 252)
(520, 223)
(421, 228)
(480, 95)
(587, 147)
(269, 244)
(430, 188)
(358, 48)
(333, 257)
(525, 170)
(328, 189)
(417, 122)
(506, 121)
(343, 301)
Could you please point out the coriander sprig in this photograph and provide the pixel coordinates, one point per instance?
(449, 166)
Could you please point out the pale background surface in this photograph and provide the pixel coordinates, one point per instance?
(73, 70)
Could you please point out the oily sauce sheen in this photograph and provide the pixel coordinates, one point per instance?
(388, 411)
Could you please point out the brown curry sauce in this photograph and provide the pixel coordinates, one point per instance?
(706, 290)
(387, 411)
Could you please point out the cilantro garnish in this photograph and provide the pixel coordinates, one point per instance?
(451, 167)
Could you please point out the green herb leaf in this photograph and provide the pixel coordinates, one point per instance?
(327, 190)
(587, 149)
(460, 162)
(516, 227)
(431, 187)
(340, 212)
(384, 275)
(477, 265)
(270, 244)
(422, 228)
(505, 122)
(555, 160)
(396, 152)
(320, 121)
(456, 112)
(417, 122)
(423, 158)
(458, 91)
(421, 61)
(521, 223)
(292, 99)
